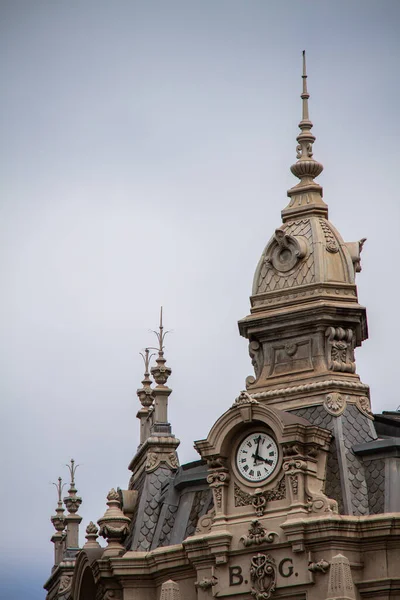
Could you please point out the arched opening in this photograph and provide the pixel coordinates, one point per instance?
(88, 586)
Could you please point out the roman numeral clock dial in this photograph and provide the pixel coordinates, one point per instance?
(257, 457)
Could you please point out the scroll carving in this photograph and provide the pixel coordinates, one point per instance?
(340, 349)
(257, 535)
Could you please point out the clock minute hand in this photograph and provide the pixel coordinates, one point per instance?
(256, 456)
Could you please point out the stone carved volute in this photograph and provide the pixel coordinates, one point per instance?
(340, 349)
(257, 360)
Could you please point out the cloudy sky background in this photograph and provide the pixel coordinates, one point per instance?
(145, 153)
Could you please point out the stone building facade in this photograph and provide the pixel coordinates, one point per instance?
(296, 494)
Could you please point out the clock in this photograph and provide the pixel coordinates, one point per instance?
(257, 457)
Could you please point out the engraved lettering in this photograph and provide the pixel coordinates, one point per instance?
(235, 575)
(286, 570)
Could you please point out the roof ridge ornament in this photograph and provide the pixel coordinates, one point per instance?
(145, 393)
(160, 372)
(306, 196)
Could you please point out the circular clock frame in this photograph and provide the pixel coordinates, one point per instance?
(270, 474)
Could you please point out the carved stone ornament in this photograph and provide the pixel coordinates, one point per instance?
(205, 522)
(170, 591)
(330, 240)
(263, 576)
(217, 480)
(335, 404)
(259, 502)
(340, 584)
(206, 583)
(257, 360)
(291, 349)
(242, 498)
(91, 536)
(322, 566)
(114, 525)
(364, 406)
(257, 535)
(285, 251)
(322, 504)
(64, 585)
(340, 349)
(155, 458)
(244, 398)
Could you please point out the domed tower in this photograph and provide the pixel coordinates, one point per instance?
(305, 323)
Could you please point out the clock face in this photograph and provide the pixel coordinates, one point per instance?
(257, 457)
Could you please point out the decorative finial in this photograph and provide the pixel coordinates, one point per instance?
(91, 536)
(114, 525)
(72, 501)
(160, 334)
(306, 167)
(58, 519)
(59, 486)
(305, 95)
(160, 372)
(145, 393)
(306, 196)
(72, 470)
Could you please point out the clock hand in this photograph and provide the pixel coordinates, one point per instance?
(256, 455)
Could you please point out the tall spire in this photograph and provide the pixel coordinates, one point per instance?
(306, 196)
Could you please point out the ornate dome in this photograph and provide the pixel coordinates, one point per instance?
(305, 251)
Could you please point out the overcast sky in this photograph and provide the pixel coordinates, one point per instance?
(145, 153)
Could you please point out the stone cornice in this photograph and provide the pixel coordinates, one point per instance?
(157, 444)
(346, 529)
(312, 387)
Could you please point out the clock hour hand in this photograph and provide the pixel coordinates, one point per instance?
(258, 457)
